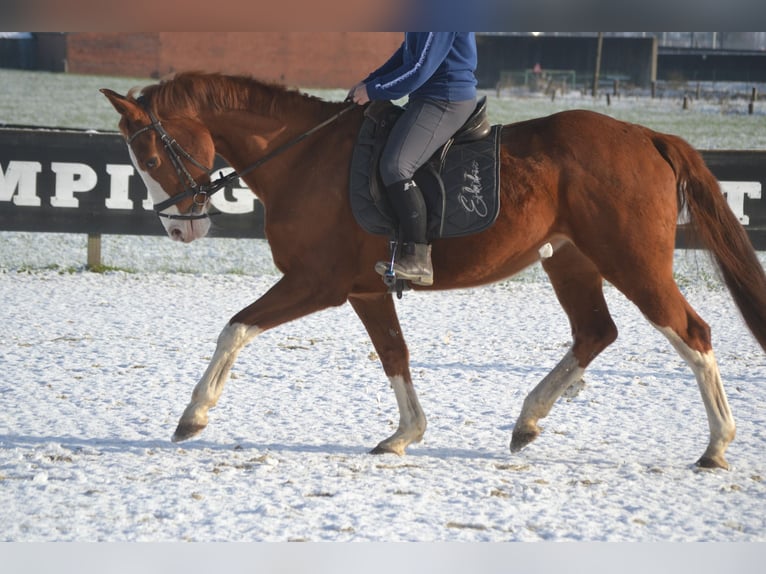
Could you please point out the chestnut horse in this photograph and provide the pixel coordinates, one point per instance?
(594, 198)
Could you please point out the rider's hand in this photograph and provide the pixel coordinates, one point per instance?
(358, 94)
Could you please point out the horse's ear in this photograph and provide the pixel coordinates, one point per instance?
(126, 107)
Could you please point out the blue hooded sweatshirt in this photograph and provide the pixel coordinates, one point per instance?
(438, 65)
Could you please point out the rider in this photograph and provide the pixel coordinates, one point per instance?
(436, 71)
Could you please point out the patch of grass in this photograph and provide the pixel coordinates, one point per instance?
(108, 269)
(466, 526)
(29, 269)
(71, 269)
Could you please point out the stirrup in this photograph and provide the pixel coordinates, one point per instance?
(392, 282)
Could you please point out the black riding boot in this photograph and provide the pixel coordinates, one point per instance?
(414, 263)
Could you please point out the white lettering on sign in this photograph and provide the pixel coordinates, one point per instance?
(735, 192)
(244, 199)
(71, 178)
(119, 186)
(19, 183)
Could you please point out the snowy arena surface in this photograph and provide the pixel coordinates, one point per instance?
(97, 368)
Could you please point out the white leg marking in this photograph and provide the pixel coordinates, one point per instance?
(539, 402)
(412, 421)
(232, 339)
(720, 419)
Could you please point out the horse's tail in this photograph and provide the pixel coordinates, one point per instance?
(713, 222)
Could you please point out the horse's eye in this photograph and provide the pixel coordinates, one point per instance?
(152, 162)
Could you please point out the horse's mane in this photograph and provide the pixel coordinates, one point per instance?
(188, 92)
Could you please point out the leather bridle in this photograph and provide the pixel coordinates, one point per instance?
(200, 193)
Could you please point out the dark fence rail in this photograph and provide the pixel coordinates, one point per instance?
(78, 181)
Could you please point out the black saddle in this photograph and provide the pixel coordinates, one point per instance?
(460, 182)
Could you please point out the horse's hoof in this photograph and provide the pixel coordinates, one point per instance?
(186, 431)
(713, 462)
(521, 438)
(384, 449)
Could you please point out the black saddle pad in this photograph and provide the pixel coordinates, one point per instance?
(460, 183)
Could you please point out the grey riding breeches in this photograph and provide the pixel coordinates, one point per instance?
(425, 126)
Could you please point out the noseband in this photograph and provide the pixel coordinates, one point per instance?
(200, 193)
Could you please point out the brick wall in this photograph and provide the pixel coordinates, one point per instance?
(111, 54)
(305, 59)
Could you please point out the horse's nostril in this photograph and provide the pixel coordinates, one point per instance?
(176, 234)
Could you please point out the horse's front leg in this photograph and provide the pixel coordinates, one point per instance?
(232, 339)
(378, 315)
(285, 301)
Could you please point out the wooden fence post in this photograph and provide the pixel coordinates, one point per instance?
(94, 251)
(599, 47)
(753, 97)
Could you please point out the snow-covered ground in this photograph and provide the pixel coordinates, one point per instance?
(97, 368)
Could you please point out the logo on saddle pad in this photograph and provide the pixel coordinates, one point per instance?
(460, 183)
(470, 195)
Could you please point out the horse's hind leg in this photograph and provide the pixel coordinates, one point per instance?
(578, 286)
(378, 315)
(645, 277)
(703, 363)
(666, 308)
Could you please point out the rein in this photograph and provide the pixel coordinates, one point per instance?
(201, 193)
